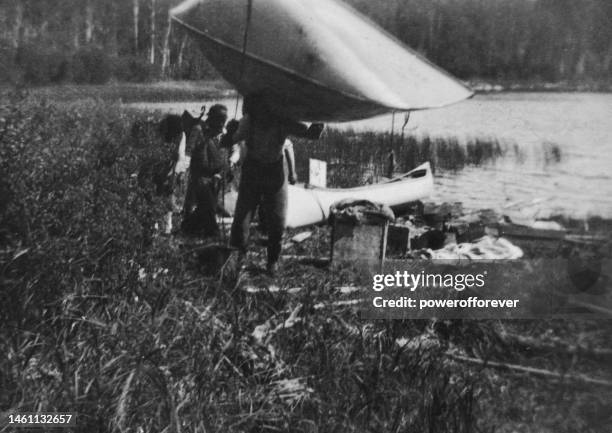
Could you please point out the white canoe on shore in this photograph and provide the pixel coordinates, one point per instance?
(316, 60)
(309, 206)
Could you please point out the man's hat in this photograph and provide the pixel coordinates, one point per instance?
(217, 110)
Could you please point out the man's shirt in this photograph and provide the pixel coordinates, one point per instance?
(206, 157)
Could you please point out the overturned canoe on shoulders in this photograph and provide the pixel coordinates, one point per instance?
(314, 60)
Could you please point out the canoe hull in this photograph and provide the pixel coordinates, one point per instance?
(301, 98)
(312, 206)
(314, 59)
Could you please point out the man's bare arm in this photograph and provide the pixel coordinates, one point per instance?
(290, 155)
(299, 129)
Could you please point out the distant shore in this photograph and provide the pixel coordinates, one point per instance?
(169, 91)
(484, 86)
(161, 91)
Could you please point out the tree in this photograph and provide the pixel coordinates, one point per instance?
(89, 22)
(153, 30)
(18, 27)
(490, 39)
(136, 13)
(166, 50)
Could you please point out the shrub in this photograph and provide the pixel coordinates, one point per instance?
(91, 65)
(9, 71)
(68, 190)
(41, 66)
(76, 227)
(134, 69)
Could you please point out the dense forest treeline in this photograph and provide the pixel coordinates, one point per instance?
(93, 41)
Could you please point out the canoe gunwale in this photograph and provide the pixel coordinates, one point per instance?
(396, 181)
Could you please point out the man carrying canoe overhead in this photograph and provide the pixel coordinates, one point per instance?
(205, 170)
(237, 156)
(263, 181)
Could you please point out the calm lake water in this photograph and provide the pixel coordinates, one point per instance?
(580, 124)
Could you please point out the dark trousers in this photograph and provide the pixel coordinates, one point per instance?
(264, 185)
(203, 219)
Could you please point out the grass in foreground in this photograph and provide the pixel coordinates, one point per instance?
(102, 316)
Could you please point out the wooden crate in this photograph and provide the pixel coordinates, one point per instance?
(359, 243)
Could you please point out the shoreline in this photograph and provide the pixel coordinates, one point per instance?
(183, 90)
(487, 87)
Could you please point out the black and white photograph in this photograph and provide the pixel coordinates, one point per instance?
(306, 216)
